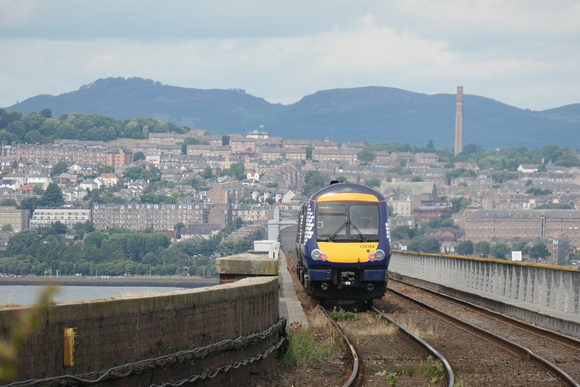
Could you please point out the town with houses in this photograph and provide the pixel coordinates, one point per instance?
(274, 171)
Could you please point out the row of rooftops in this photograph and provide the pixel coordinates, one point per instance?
(500, 214)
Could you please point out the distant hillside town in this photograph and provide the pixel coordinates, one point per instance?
(192, 185)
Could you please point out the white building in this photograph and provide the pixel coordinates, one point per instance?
(69, 216)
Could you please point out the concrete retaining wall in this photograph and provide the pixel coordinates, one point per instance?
(542, 289)
(117, 332)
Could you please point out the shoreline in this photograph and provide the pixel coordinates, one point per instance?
(185, 282)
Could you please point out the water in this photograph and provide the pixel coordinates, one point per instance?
(29, 294)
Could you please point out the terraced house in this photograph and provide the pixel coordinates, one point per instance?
(557, 227)
(162, 217)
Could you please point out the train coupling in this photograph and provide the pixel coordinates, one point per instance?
(347, 278)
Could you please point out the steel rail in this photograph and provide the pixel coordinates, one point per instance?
(356, 369)
(508, 344)
(423, 344)
(553, 335)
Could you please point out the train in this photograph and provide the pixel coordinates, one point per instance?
(343, 244)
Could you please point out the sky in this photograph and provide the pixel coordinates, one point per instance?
(525, 53)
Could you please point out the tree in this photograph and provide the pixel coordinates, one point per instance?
(8, 203)
(139, 156)
(52, 197)
(465, 248)
(459, 204)
(46, 113)
(431, 246)
(178, 227)
(207, 173)
(22, 242)
(539, 191)
(59, 168)
(461, 172)
(539, 250)
(34, 137)
(520, 246)
(236, 170)
(373, 182)
(59, 227)
(29, 203)
(133, 173)
(500, 250)
(404, 233)
(482, 249)
(38, 190)
(314, 181)
(366, 155)
(95, 238)
(196, 183)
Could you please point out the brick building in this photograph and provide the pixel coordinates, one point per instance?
(14, 217)
(119, 156)
(142, 216)
(82, 152)
(504, 225)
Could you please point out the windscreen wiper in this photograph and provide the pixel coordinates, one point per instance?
(330, 238)
(363, 236)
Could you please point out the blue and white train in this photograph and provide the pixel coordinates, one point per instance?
(343, 243)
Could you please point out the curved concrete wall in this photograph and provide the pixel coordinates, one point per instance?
(545, 289)
(109, 333)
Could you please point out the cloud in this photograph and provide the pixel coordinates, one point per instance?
(283, 51)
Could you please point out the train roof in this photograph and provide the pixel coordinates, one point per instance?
(347, 188)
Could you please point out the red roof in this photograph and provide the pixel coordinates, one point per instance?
(26, 187)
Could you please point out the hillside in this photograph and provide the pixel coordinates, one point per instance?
(374, 114)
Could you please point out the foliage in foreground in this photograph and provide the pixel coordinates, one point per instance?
(25, 322)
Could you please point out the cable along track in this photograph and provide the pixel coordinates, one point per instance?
(514, 335)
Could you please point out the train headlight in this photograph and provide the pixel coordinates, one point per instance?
(319, 255)
(377, 255)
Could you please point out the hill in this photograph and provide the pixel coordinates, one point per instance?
(374, 114)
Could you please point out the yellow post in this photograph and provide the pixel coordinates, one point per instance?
(69, 343)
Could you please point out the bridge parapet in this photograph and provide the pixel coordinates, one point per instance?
(541, 289)
(192, 334)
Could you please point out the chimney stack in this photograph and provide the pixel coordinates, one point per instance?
(459, 121)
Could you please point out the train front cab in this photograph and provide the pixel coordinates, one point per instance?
(343, 247)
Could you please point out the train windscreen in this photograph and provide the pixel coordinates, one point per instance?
(347, 220)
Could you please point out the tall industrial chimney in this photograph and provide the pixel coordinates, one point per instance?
(459, 121)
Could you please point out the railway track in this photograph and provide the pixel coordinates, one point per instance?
(476, 359)
(414, 351)
(558, 354)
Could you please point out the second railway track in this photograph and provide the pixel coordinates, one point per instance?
(498, 342)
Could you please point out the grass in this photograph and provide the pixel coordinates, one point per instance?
(341, 315)
(308, 345)
(412, 327)
(367, 325)
(433, 370)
